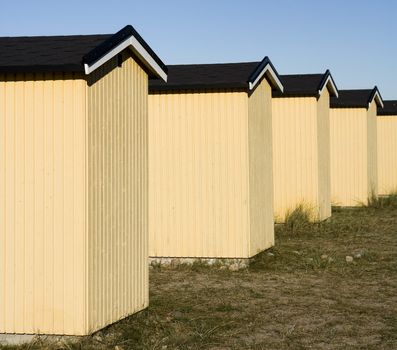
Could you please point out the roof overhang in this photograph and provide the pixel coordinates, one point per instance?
(375, 96)
(265, 68)
(389, 109)
(328, 82)
(126, 38)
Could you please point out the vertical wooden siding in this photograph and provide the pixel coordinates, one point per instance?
(260, 168)
(198, 175)
(324, 156)
(372, 151)
(295, 155)
(387, 154)
(42, 204)
(117, 192)
(349, 156)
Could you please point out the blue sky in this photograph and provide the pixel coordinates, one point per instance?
(355, 39)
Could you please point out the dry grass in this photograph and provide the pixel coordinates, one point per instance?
(380, 202)
(302, 294)
(299, 220)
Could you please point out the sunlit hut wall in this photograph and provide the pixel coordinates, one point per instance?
(354, 146)
(301, 155)
(73, 181)
(210, 161)
(387, 148)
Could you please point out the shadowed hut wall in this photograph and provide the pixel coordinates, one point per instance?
(117, 184)
(324, 156)
(372, 144)
(260, 168)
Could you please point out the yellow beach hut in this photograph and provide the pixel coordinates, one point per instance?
(73, 180)
(354, 169)
(301, 154)
(387, 148)
(210, 161)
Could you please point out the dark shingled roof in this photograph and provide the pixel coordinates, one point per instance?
(390, 108)
(46, 53)
(234, 76)
(302, 85)
(354, 98)
(203, 76)
(61, 53)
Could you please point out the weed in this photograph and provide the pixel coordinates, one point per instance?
(380, 202)
(300, 219)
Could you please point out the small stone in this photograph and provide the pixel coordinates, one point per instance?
(188, 261)
(310, 259)
(296, 252)
(324, 256)
(330, 260)
(270, 254)
(175, 262)
(177, 315)
(98, 338)
(223, 267)
(234, 267)
(358, 256)
(349, 259)
(211, 262)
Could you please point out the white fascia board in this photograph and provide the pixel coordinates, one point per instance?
(137, 48)
(269, 68)
(333, 87)
(378, 98)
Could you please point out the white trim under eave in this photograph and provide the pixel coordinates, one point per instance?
(334, 89)
(138, 49)
(376, 97)
(269, 68)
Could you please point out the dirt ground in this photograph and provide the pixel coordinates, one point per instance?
(304, 293)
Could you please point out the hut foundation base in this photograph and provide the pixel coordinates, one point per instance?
(12, 339)
(232, 264)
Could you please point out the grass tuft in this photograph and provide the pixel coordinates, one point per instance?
(380, 202)
(300, 219)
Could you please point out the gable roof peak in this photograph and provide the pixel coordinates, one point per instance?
(243, 76)
(357, 98)
(307, 85)
(75, 53)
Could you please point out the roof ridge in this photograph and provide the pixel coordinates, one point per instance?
(356, 89)
(117, 39)
(55, 36)
(211, 64)
(300, 75)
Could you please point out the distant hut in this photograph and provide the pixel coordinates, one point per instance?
(354, 167)
(387, 148)
(301, 155)
(210, 161)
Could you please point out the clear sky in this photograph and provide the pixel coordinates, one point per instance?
(355, 39)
